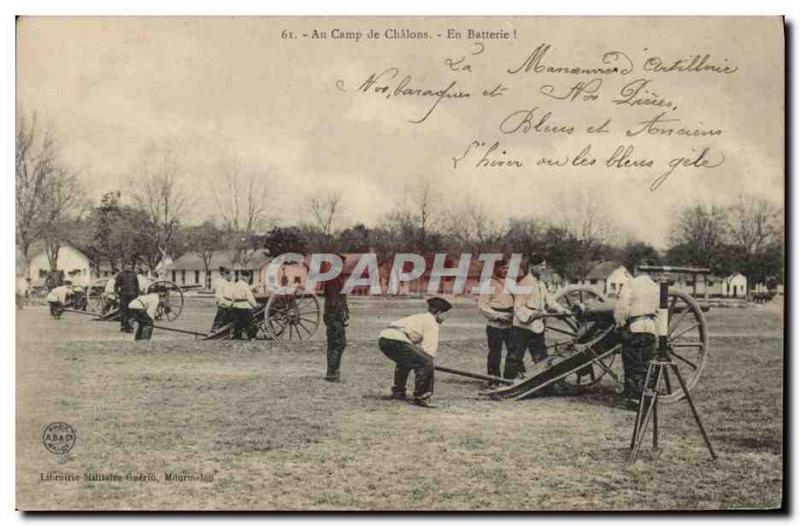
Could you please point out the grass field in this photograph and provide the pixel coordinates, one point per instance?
(257, 424)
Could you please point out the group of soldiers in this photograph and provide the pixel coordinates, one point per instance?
(516, 321)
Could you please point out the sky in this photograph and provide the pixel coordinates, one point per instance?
(216, 88)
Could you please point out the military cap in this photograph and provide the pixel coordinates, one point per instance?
(439, 304)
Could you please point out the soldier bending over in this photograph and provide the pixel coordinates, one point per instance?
(411, 343)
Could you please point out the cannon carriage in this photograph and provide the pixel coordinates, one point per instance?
(289, 314)
(584, 346)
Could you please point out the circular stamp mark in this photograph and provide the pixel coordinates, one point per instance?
(59, 438)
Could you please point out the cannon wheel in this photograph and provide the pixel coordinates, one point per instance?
(687, 344)
(292, 315)
(171, 304)
(564, 331)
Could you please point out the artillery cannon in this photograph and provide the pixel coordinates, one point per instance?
(291, 314)
(584, 346)
(106, 308)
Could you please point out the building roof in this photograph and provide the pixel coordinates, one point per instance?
(603, 270)
(734, 276)
(220, 258)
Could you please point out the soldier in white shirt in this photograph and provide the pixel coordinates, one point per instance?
(143, 279)
(109, 294)
(241, 308)
(57, 298)
(527, 331)
(411, 343)
(143, 309)
(635, 312)
(498, 309)
(224, 299)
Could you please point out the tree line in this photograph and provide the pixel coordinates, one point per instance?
(148, 221)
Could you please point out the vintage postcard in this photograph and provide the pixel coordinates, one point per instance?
(400, 263)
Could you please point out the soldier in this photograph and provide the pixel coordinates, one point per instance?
(336, 316)
(635, 312)
(57, 298)
(143, 279)
(22, 291)
(243, 302)
(224, 299)
(498, 309)
(527, 331)
(109, 296)
(126, 288)
(143, 309)
(411, 343)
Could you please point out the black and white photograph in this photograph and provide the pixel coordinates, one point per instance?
(400, 263)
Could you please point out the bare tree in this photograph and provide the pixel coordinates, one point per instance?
(584, 215)
(325, 208)
(242, 196)
(424, 201)
(47, 192)
(469, 224)
(754, 223)
(700, 232)
(157, 192)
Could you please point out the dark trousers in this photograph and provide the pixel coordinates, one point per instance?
(144, 322)
(407, 357)
(337, 341)
(496, 337)
(124, 313)
(636, 354)
(221, 318)
(242, 320)
(56, 309)
(522, 341)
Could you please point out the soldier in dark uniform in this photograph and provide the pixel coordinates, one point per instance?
(126, 287)
(336, 316)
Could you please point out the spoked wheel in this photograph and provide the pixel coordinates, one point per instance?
(292, 315)
(563, 332)
(170, 305)
(687, 345)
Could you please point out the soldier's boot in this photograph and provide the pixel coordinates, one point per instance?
(424, 400)
(399, 387)
(334, 359)
(145, 332)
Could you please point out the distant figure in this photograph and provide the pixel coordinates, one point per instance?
(222, 293)
(411, 343)
(22, 291)
(336, 316)
(635, 312)
(57, 298)
(143, 309)
(144, 280)
(241, 309)
(109, 296)
(126, 287)
(498, 309)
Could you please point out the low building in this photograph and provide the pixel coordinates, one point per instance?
(73, 263)
(606, 278)
(735, 286)
(189, 269)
